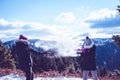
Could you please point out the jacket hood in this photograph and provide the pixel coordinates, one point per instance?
(26, 42)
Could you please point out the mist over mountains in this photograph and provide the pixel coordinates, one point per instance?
(107, 52)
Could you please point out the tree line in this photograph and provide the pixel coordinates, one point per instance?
(44, 61)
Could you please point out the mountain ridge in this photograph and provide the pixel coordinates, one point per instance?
(107, 52)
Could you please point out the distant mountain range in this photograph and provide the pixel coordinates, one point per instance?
(102, 41)
(107, 53)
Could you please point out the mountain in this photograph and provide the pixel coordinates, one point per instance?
(53, 44)
(108, 55)
(102, 41)
(36, 44)
(107, 52)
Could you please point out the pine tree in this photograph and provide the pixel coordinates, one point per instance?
(6, 59)
(116, 39)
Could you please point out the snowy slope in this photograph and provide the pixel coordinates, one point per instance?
(102, 41)
(62, 47)
(16, 77)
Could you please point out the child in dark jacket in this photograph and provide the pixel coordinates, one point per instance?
(88, 57)
(22, 53)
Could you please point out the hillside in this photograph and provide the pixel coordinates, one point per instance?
(107, 53)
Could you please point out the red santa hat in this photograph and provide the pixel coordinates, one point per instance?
(23, 37)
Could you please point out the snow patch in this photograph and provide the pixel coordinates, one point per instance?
(17, 77)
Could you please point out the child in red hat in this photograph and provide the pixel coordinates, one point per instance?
(21, 50)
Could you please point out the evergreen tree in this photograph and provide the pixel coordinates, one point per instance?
(116, 39)
(6, 59)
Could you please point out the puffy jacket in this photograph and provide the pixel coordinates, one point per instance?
(22, 53)
(89, 59)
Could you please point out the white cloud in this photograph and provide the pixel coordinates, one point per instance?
(56, 32)
(99, 33)
(35, 25)
(68, 17)
(12, 31)
(2, 35)
(3, 22)
(104, 15)
(101, 14)
(17, 24)
(59, 31)
(62, 33)
(14, 24)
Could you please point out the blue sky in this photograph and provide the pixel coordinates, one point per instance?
(58, 19)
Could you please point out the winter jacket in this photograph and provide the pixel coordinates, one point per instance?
(22, 54)
(88, 59)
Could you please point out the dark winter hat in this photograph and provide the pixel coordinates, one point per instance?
(88, 40)
(87, 37)
(23, 37)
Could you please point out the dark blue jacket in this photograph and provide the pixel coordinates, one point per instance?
(89, 59)
(22, 53)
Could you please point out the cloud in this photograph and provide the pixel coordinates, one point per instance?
(3, 22)
(106, 23)
(6, 25)
(93, 26)
(62, 34)
(104, 19)
(37, 34)
(68, 17)
(85, 34)
(101, 14)
(35, 30)
(6, 35)
(110, 31)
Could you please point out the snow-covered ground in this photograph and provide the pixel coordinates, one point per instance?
(17, 77)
